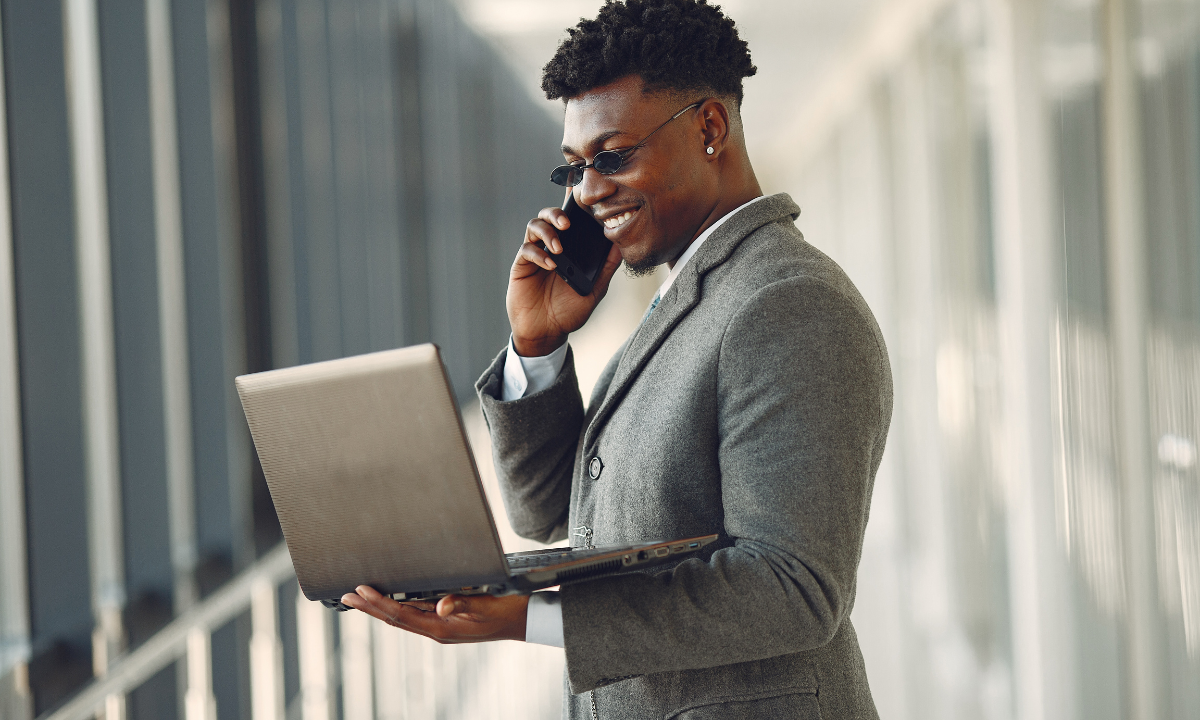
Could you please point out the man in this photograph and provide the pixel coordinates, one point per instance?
(753, 401)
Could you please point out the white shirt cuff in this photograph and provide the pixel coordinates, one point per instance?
(528, 375)
(543, 619)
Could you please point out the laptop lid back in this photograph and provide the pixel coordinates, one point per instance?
(371, 474)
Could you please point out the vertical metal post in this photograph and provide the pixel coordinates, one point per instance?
(388, 660)
(95, 310)
(199, 702)
(277, 181)
(233, 312)
(428, 675)
(411, 174)
(15, 699)
(266, 655)
(347, 172)
(383, 230)
(172, 306)
(316, 648)
(114, 708)
(14, 610)
(285, 348)
(319, 197)
(357, 687)
(441, 129)
(1127, 279)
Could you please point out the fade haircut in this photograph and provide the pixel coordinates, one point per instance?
(674, 45)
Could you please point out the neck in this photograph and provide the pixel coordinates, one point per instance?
(740, 188)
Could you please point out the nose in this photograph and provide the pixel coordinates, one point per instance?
(593, 188)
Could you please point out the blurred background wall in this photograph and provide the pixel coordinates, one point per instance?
(193, 189)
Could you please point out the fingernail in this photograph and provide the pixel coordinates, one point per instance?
(367, 591)
(551, 263)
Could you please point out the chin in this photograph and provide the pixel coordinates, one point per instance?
(641, 266)
(640, 270)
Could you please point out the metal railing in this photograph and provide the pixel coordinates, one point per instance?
(188, 637)
(349, 666)
(346, 664)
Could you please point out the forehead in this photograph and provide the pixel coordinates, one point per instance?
(619, 109)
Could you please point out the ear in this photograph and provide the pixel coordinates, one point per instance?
(714, 127)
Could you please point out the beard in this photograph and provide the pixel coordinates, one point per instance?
(643, 266)
(640, 269)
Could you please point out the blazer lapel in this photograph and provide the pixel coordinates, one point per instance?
(682, 297)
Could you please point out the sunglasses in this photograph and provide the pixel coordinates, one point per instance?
(608, 161)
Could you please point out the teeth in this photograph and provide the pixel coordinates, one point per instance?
(617, 221)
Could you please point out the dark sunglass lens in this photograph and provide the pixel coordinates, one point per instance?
(607, 162)
(565, 175)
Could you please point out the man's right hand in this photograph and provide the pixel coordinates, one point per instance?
(542, 307)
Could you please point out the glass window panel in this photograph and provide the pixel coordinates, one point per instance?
(1168, 72)
(967, 368)
(1087, 487)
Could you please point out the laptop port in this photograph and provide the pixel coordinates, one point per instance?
(662, 552)
(693, 546)
(642, 555)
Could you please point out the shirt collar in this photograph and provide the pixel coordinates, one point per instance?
(691, 249)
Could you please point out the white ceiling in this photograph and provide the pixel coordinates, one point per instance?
(794, 43)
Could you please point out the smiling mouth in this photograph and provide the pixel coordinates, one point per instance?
(617, 221)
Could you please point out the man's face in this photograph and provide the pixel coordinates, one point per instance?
(654, 205)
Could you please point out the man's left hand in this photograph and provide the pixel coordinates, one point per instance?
(453, 619)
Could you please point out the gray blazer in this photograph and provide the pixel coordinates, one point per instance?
(754, 402)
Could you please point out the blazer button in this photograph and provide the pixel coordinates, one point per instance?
(594, 468)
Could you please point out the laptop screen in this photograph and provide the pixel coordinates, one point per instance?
(371, 474)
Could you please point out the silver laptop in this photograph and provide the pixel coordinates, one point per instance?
(375, 484)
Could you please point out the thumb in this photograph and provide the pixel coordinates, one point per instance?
(611, 263)
(452, 605)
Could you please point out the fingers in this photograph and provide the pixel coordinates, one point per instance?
(390, 611)
(535, 255)
(416, 617)
(545, 231)
(557, 219)
(541, 243)
(374, 604)
(452, 619)
(611, 263)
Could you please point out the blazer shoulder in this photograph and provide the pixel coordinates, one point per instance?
(773, 252)
(776, 261)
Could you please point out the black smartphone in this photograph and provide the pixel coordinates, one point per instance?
(584, 248)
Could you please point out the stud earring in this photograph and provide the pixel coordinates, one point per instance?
(709, 150)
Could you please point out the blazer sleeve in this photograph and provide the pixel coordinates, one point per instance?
(803, 405)
(534, 442)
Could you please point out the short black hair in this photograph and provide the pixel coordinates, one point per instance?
(680, 45)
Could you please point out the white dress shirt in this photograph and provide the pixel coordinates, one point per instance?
(529, 375)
